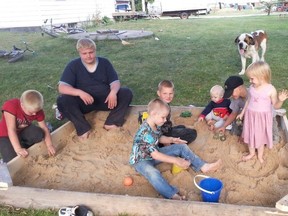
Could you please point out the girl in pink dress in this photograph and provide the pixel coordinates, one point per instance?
(258, 118)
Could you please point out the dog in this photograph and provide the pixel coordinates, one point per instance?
(249, 46)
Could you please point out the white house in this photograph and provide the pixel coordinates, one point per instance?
(32, 13)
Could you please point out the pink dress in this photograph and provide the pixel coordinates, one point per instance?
(258, 118)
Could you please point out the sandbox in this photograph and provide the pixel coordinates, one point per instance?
(92, 173)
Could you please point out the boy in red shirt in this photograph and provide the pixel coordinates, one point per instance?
(17, 133)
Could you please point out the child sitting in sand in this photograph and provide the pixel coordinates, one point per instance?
(17, 133)
(166, 93)
(146, 154)
(218, 109)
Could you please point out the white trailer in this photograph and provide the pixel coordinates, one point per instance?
(179, 8)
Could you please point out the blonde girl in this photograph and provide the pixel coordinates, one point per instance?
(257, 112)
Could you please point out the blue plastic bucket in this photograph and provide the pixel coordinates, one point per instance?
(210, 188)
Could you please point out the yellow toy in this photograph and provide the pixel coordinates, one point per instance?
(142, 117)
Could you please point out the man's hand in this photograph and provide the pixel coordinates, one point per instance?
(221, 130)
(86, 98)
(111, 100)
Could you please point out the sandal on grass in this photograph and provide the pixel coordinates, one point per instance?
(79, 210)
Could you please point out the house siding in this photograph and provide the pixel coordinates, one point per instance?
(32, 13)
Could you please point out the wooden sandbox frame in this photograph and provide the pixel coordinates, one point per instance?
(107, 204)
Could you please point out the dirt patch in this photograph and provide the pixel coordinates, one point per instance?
(100, 165)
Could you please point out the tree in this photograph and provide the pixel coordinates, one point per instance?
(133, 5)
(269, 5)
(138, 4)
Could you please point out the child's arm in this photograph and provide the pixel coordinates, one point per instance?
(168, 140)
(206, 111)
(47, 138)
(240, 116)
(12, 134)
(156, 155)
(278, 100)
(232, 117)
(227, 122)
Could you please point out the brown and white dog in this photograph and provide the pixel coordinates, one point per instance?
(249, 46)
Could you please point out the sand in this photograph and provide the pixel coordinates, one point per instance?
(101, 164)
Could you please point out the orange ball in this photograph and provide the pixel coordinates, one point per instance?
(128, 181)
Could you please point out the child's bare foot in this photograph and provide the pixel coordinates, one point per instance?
(211, 167)
(110, 127)
(84, 136)
(177, 196)
(248, 157)
(81, 139)
(261, 160)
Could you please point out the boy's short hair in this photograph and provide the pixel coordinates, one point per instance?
(165, 83)
(85, 43)
(156, 105)
(32, 100)
(217, 90)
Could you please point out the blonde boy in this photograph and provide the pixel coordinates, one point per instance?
(146, 154)
(166, 93)
(17, 133)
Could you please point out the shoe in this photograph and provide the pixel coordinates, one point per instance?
(282, 204)
(79, 210)
(229, 127)
(58, 115)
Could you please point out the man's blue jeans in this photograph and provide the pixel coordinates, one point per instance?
(152, 174)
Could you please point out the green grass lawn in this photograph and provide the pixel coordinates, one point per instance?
(196, 54)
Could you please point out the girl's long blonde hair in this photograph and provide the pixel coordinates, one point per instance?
(261, 70)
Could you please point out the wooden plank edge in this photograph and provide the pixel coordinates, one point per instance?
(107, 204)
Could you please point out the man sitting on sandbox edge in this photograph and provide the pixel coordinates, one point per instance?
(91, 83)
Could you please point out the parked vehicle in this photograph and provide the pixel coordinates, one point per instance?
(123, 11)
(123, 8)
(179, 8)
